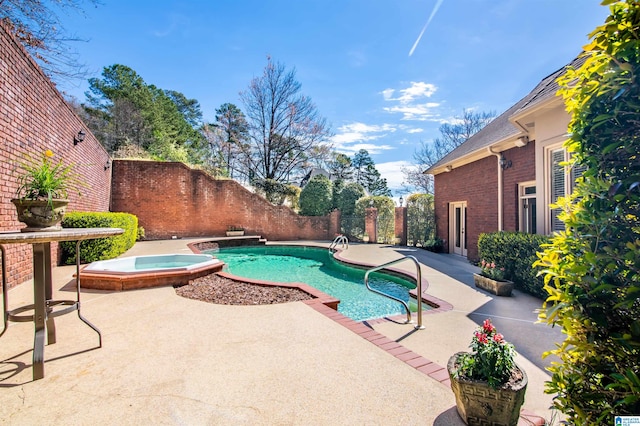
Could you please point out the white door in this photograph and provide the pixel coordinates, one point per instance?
(457, 226)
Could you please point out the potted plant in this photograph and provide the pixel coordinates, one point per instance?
(491, 278)
(43, 188)
(235, 231)
(488, 385)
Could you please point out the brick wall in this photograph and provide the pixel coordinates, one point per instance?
(477, 184)
(34, 117)
(522, 170)
(170, 199)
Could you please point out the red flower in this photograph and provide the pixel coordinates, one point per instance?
(482, 338)
(498, 338)
(488, 327)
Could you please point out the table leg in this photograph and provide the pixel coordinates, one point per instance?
(86, 321)
(5, 303)
(48, 294)
(40, 309)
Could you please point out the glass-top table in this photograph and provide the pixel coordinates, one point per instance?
(44, 308)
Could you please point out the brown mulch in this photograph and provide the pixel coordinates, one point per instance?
(224, 291)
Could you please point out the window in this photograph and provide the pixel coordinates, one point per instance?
(527, 207)
(561, 182)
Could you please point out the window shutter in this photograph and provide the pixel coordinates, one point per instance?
(576, 171)
(557, 186)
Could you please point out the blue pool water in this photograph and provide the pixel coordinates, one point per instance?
(317, 268)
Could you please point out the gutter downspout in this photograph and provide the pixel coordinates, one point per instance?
(500, 189)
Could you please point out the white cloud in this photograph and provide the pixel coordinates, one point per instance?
(415, 130)
(350, 137)
(369, 147)
(411, 101)
(417, 90)
(392, 172)
(387, 94)
(419, 112)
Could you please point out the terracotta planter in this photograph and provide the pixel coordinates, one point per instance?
(40, 215)
(499, 288)
(479, 404)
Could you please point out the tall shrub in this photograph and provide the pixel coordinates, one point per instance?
(516, 253)
(316, 197)
(346, 200)
(592, 270)
(421, 223)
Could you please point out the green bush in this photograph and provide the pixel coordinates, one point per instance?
(100, 248)
(435, 245)
(592, 269)
(316, 198)
(516, 252)
(347, 198)
(421, 224)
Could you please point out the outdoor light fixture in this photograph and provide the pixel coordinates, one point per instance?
(107, 165)
(521, 141)
(370, 203)
(448, 168)
(504, 163)
(401, 200)
(79, 137)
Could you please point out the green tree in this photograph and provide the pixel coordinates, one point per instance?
(283, 126)
(420, 219)
(347, 198)
(366, 174)
(125, 110)
(592, 269)
(340, 167)
(316, 197)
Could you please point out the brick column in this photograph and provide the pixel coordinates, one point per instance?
(401, 225)
(334, 224)
(371, 223)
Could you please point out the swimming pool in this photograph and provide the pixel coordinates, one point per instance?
(317, 267)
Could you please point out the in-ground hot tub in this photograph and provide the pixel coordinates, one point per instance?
(128, 273)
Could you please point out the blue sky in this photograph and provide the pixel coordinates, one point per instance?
(352, 57)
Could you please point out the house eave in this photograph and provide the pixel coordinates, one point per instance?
(486, 151)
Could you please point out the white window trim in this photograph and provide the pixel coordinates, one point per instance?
(521, 196)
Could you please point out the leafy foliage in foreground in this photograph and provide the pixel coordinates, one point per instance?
(592, 270)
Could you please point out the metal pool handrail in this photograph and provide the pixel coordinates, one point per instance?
(340, 239)
(418, 288)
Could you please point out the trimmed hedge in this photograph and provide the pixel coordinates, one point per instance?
(100, 248)
(516, 252)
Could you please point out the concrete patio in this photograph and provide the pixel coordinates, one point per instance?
(170, 360)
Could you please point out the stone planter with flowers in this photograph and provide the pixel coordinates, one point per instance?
(488, 385)
(43, 187)
(491, 278)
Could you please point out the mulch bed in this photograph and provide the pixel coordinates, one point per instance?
(224, 291)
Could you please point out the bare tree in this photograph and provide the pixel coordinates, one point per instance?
(451, 136)
(283, 126)
(37, 24)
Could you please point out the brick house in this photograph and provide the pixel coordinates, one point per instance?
(505, 176)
